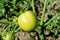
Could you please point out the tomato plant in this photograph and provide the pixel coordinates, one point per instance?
(43, 18)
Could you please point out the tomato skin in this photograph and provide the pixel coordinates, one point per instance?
(27, 21)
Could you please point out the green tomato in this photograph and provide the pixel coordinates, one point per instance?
(8, 37)
(27, 21)
(15, 20)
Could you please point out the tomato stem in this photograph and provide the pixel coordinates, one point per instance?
(7, 28)
(52, 19)
(5, 22)
(44, 9)
(13, 31)
(17, 29)
(33, 8)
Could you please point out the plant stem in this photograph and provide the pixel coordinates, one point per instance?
(17, 29)
(5, 22)
(33, 8)
(7, 28)
(44, 9)
(13, 31)
(52, 19)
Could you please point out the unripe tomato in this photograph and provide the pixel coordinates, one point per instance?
(15, 19)
(8, 37)
(27, 21)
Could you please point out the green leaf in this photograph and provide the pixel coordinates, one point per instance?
(51, 1)
(42, 37)
(0, 1)
(4, 1)
(48, 27)
(38, 30)
(1, 7)
(1, 14)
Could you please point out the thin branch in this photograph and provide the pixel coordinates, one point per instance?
(52, 19)
(33, 8)
(44, 9)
